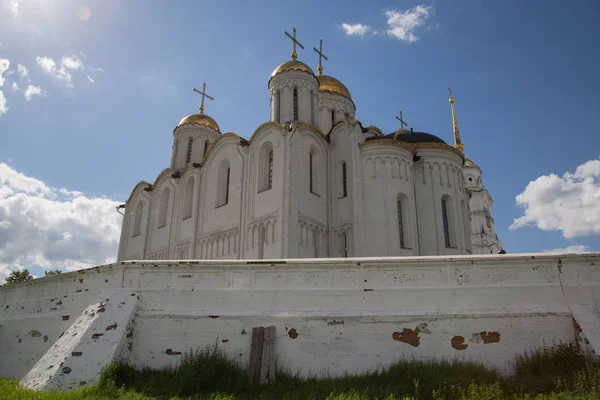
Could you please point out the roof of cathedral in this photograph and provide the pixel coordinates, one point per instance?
(199, 119)
(330, 84)
(409, 137)
(292, 65)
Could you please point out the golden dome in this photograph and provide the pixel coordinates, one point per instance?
(330, 84)
(292, 65)
(199, 119)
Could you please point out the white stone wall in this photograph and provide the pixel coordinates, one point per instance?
(438, 173)
(332, 316)
(387, 175)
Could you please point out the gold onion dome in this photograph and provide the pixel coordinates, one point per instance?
(292, 65)
(332, 85)
(199, 119)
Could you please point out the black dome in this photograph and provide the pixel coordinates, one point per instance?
(410, 137)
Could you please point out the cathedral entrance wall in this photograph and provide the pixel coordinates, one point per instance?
(331, 316)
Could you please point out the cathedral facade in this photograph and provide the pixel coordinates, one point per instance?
(310, 182)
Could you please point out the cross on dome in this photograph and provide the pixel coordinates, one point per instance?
(320, 53)
(295, 42)
(203, 94)
(402, 123)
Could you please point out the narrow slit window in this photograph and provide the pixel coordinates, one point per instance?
(227, 186)
(295, 104)
(164, 208)
(344, 181)
(206, 143)
(446, 223)
(189, 199)
(189, 152)
(400, 224)
(332, 118)
(277, 106)
(270, 181)
(310, 171)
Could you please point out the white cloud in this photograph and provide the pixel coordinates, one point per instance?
(14, 7)
(53, 228)
(4, 66)
(22, 70)
(402, 24)
(32, 91)
(3, 107)
(570, 204)
(356, 29)
(61, 71)
(71, 62)
(91, 79)
(576, 248)
(15, 87)
(46, 63)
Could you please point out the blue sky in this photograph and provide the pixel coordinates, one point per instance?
(524, 76)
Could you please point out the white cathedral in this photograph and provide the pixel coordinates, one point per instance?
(310, 182)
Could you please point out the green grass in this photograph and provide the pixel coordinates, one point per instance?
(552, 373)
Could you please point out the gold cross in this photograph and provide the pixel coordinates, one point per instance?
(320, 53)
(402, 123)
(451, 98)
(294, 54)
(203, 94)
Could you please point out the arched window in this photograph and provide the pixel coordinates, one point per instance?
(344, 181)
(223, 184)
(189, 152)
(189, 199)
(312, 171)
(447, 221)
(332, 118)
(265, 164)
(206, 144)
(402, 206)
(137, 219)
(295, 104)
(277, 107)
(164, 208)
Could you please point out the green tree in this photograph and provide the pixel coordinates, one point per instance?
(53, 272)
(19, 276)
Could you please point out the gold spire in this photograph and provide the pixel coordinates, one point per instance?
(203, 94)
(294, 54)
(457, 143)
(320, 53)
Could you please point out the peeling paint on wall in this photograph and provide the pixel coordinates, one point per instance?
(486, 337)
(458, 343)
